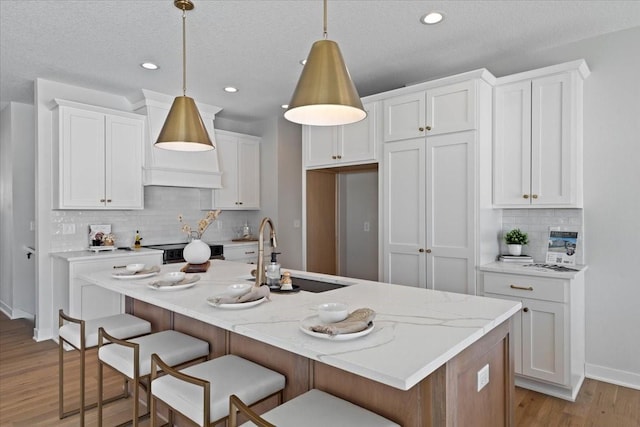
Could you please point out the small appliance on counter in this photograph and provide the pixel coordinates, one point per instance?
(173, 253)
(101, 238)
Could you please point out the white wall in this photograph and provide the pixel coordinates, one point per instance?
(17, 200)
(358, 195)
(611, 195)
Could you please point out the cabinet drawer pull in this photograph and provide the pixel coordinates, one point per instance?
(525, 196)
(528, 288)
(526, 309)
(534, 196)
(250, 252)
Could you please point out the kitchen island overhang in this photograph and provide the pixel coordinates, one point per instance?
(416, 331)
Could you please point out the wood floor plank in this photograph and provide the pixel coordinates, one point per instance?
(29, 391)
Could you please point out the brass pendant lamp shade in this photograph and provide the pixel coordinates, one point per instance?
(184, 129)
(325, 94)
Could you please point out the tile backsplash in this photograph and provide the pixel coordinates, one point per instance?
(158, 222)
(537, 222)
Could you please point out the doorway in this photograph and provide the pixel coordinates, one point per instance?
(342, 221)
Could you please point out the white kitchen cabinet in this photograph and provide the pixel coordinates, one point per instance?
(84, 300)
(246, 252)
(190, 169)
(437, 188)
(239, 157)
(548, 331)
(437, 110)
(538, 138)
(98, 156)
(330, 146)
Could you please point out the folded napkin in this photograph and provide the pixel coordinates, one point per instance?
(166, 283)
(253, 294)
(357, 321)
(154, 269)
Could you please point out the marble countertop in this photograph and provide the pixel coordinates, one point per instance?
(415, 330)
(89, 255)
(532, 270)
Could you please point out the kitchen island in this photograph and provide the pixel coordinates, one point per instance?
(419, 366)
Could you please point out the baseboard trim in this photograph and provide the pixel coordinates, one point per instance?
(15, 313)
(613, 376)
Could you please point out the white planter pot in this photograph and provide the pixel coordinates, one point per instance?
(515, 250)
(196, 252)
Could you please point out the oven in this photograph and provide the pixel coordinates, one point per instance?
(172, 253)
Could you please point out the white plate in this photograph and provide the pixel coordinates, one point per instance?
(127, 275)
(310, 321)
(163, 285)
(235, 306)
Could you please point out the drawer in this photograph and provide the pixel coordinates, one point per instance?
(241, 252)
(527, 286)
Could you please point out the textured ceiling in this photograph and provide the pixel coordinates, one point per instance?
(255, 45)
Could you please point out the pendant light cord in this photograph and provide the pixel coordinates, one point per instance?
(184, 52)
(324, 32)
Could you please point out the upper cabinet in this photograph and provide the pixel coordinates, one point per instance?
(97, 157)
(329, 146)
(438, 110)
(239, 157)
(198, 169)
(538, 138)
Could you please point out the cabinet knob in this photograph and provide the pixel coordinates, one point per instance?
(526, 309)
(339, 157)
(334, 157)
(421, 250)
(534, 196)
(428, 251)
(525, 196)
(239, 203)
(102, 200)
(422, 129)
(108, 200)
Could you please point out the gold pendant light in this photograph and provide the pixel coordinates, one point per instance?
(184, 129)
(325, 94)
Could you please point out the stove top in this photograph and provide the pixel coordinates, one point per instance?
(172, 252)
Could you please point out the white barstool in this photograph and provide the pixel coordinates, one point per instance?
(82, 335)
(314, 408)
(201, 392)
(132, 359)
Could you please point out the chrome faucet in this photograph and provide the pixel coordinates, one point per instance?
(260, 279)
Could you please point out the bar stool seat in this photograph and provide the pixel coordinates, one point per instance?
(83, 335)
(132, 358)
(314, 408)
(220, 378)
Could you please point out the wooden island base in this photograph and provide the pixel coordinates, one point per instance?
(448, 397)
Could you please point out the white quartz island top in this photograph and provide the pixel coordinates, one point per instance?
(415, 330)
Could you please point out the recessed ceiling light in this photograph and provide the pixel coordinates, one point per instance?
(230, 89)
(432, 18)
(149, 66)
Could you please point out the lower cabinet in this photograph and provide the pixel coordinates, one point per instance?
(242, 252)
(84, 300)
(548, 331)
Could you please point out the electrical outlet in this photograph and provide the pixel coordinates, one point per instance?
(483, 377)
(367, 226)
(68, 229)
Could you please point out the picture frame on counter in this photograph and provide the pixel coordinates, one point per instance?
(562, 247)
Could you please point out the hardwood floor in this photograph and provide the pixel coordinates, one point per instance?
(29, 391)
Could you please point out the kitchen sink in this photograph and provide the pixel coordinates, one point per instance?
(315, 286)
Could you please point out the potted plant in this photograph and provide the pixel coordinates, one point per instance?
(515, 239)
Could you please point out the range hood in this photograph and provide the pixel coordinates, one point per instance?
(176, 168)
